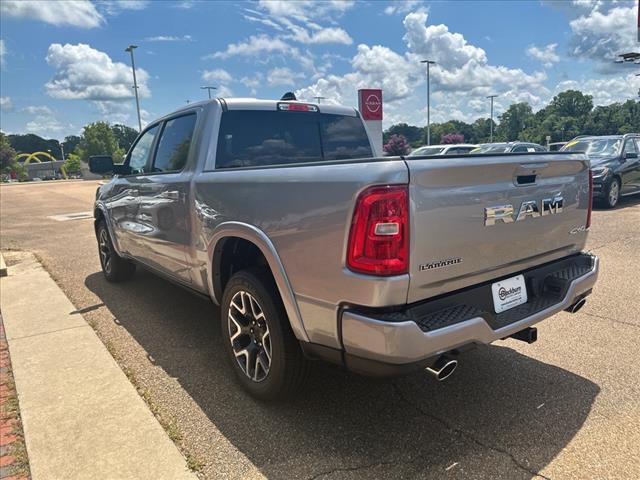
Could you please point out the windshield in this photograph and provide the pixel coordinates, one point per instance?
(492, 148)
(426, 151)
(596, 147)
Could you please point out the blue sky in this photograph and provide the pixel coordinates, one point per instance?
(64, 65)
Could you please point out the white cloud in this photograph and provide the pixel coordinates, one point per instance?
(324, 35)
(460, 80)
(3, 54)
(85, 73)
(401, 6)
(77, 13)
(601, 29)
(305, 9)
(282, 76)
(218, 75)
(38, 110)
(255, 45)
(170, 38)
(606, 90)
(6, 105)
(547, 55)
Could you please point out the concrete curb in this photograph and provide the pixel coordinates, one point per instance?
(82, 417)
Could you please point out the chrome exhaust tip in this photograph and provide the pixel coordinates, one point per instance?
(576, 306)
(443, 368)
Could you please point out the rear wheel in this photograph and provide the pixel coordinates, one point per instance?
(114, 267)
(262, 349)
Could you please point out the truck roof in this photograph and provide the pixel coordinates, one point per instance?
(261, 104)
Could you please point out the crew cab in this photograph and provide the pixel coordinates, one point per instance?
(315, 249)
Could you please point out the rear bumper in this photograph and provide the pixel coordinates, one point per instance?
(419, 332)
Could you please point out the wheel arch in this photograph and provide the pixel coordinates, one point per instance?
(246, 234)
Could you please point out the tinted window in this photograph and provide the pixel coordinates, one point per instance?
(630, 146)
(173, 147)
(343, 137)
(140, 154)
(520, 148)
(250, 138)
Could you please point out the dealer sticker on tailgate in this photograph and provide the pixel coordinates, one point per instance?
(509, 293)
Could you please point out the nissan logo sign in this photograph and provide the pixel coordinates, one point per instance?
(370, 103)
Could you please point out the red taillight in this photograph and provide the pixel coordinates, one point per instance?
(379, 236)
(590, 209)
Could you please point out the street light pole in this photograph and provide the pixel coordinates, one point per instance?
(491, 121)
(318, 98)
(130, 49)
(429, 63)
(62, 150)
(208, 89)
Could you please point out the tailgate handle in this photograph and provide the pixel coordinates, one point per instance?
(526, 179)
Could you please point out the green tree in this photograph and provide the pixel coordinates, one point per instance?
(481, 130)
(72, 164)
(98, 139)
(7, 152)
(571, 103)
(514, 121)
(30, 143)
(125, 136)
(70, 143)
(412, 133)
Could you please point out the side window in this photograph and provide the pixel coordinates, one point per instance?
(343, 137)
(139, 157)
(452, 151)
(630, 146)
(173, 147)
(520, 148)
(540, 149)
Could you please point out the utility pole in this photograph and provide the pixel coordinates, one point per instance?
(208, 89)
(319, 98)
(491, 121)
(130, 49)
(429, 63)
(62, 150)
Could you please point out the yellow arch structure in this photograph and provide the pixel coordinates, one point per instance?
(34, 156)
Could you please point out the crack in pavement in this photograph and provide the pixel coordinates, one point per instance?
(466, 435)
(352, 469)
(614, 320)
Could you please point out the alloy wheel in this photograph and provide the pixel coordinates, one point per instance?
(614, 192)
(105, 250)
(249, 336)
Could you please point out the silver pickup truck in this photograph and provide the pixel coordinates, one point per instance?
(315, 249)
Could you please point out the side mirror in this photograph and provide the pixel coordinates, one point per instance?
(629, 155)
(101, 164)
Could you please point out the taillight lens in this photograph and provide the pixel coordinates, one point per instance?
(590, 209)
(379, 236)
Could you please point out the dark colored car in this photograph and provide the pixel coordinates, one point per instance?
(615, 165)
(509, 147)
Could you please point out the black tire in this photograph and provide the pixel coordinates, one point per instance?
(114, 267)
(287, 367)
(612, 196)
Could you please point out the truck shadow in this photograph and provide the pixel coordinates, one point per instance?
(501, 415)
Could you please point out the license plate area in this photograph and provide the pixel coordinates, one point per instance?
(509, 293)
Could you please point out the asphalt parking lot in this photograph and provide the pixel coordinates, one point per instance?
(567, 406)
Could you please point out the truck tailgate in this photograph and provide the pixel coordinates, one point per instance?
(453, 246)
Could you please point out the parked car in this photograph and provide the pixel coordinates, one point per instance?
(556, 146)
(614, 162)
(451, 149)
(314, 249)
(509, 147)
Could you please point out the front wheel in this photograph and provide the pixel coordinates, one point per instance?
(114, 267)
(613, 194)
(261, 346)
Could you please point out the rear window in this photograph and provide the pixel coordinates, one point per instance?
(254, 138)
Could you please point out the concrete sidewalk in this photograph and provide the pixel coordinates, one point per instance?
(82, 417)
